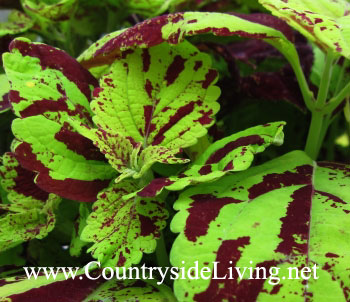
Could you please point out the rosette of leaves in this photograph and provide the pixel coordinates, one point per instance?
(149, 106)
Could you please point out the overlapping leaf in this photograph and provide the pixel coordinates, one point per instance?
(159, 99)
(173, 28)
(327, 23)
(30, 211)
(17, 23)
(47, 87)
(289, 212)
(82, 290)
(121, 230)
(232, 153)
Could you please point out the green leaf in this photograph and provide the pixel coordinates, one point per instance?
(17, 23)
(30, 211)
(54, 10)
(159, 99)
(131, 290)
(123, 156)
(288, 212)
(151, 8)
(173, 28)
(159, 96)
(47, 88)
(122, 230)
(327, 23)
(4, 90)
(233, 153)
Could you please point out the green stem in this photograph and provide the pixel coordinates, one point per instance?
(338, 99)
(320, 118)
(303, 85)
(341, 75)
(313, 145)
(325, 81)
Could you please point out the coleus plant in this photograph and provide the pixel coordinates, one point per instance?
(107, 128)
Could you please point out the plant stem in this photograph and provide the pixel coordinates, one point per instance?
(336, 101)
(325, 81)
(312, 147)
(320, 118)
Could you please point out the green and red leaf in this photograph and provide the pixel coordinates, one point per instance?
(173, 29)
(324, 22)
(56, 10)
(288, 212)
(151, 104)
(18, 22)
(122, 230)
(47, 88)
(82, 289)
(30, 211)
(233, 153)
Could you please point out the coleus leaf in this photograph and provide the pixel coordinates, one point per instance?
(125, 157)
(54, 10)
(151, 8)
(233, 153)
(173, 29)
(47, 87)
(122, 230)
(132, 290)
(20, 288)
(288, 212)
(16, 289)
(324, 22)
(17, 23)
(4, 93)
(30, 211)
(161, 99)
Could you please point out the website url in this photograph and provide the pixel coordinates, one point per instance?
(272, 274)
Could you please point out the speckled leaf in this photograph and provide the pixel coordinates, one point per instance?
(47, 87)
(17, 23)
(17, 289)
(124, 154)
(288, 212)
(325, 22)
(233, 153)
(30, 211)
(131, 290)
(4, 93)
(54, 10)
(173, 28)
(164, 95)
(122, 230)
